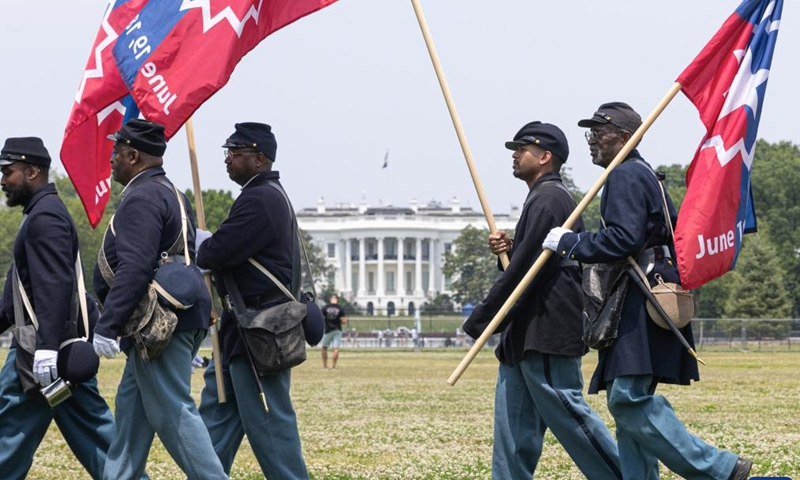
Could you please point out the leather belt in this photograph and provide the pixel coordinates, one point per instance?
(259, 301)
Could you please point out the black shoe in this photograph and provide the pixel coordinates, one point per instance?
(741, 471)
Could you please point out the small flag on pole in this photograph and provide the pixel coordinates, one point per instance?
(726, 82)
(386, 159)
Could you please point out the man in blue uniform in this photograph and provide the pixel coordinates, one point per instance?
(539, 382)
(259, 226)
(45, 252)
(335, 319)
(154, 396)
(643, 354)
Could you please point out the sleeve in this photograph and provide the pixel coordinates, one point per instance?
(625, 212)
(6, 319)
(546, 212)
(138, 225)
(50, 257)
(247, 230)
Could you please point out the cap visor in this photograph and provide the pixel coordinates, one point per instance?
(590, 122)
(513, 145)
(4, 162)
(112, 137)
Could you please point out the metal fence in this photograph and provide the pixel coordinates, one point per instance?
(445, 331)
(434, 330)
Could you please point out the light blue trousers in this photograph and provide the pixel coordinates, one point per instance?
(648, 431)
(84, 419)
(155, 398)
(273, 436)
(541, 392)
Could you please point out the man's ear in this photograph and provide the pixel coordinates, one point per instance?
(32, 172)
(547, 157)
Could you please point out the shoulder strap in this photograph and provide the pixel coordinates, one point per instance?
(272, 277)
(21, 301)
(181, 241)
(21, 298)
(184, 220)
(298, 243)
(667, 216)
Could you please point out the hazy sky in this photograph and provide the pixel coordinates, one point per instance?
(342, 85)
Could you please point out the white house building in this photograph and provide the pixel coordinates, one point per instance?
(391, 258)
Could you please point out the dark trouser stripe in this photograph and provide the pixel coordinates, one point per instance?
(564, 401)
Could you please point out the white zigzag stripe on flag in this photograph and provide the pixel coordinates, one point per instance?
(111, 37)
(744, 86)
(725, 156)
(104, 113)
(225, 14)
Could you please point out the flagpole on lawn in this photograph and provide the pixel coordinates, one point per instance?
(423, 25)
(546, 254)
(201, 224)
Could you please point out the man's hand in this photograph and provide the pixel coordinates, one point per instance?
(198, 361)
(44, 366)
(200, 237)
(552, 238)
(500, 242)
(105, 347)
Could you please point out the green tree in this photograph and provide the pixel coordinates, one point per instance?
(775, 180)
(675, 182)
(317, 263)
(757, 289)
(10, 219)
(216, 206)
(470, 264)
(442, 304)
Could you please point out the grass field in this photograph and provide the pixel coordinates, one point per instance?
(390, 415)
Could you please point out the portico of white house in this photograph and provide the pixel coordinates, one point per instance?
(390, 259)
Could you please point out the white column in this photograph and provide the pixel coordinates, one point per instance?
(443, 276)
(348, 266)
(401, 278)
(432, 266)
(381, 291)
(418, 271)
(362, 267)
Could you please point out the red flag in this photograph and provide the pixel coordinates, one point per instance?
(177, 53)
(726, 82)
(96, 113)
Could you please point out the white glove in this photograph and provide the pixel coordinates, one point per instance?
(44, 366)
(552, 238)
(198, 361)
(200, 237)
(105, 347)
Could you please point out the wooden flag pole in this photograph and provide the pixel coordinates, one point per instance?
(545, 255)
(423, 25)
(201, 224)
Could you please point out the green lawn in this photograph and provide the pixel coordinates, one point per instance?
(390, 415)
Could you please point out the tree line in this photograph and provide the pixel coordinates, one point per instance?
(766, 280)
(764, 284)
(216, 206)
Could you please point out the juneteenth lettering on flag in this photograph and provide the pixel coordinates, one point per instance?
(726, 82)
(97, 112)
(177, 53)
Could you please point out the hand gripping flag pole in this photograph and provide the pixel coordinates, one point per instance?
(423, 25)
(201, 224)
(702, 83)
(545, 255)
